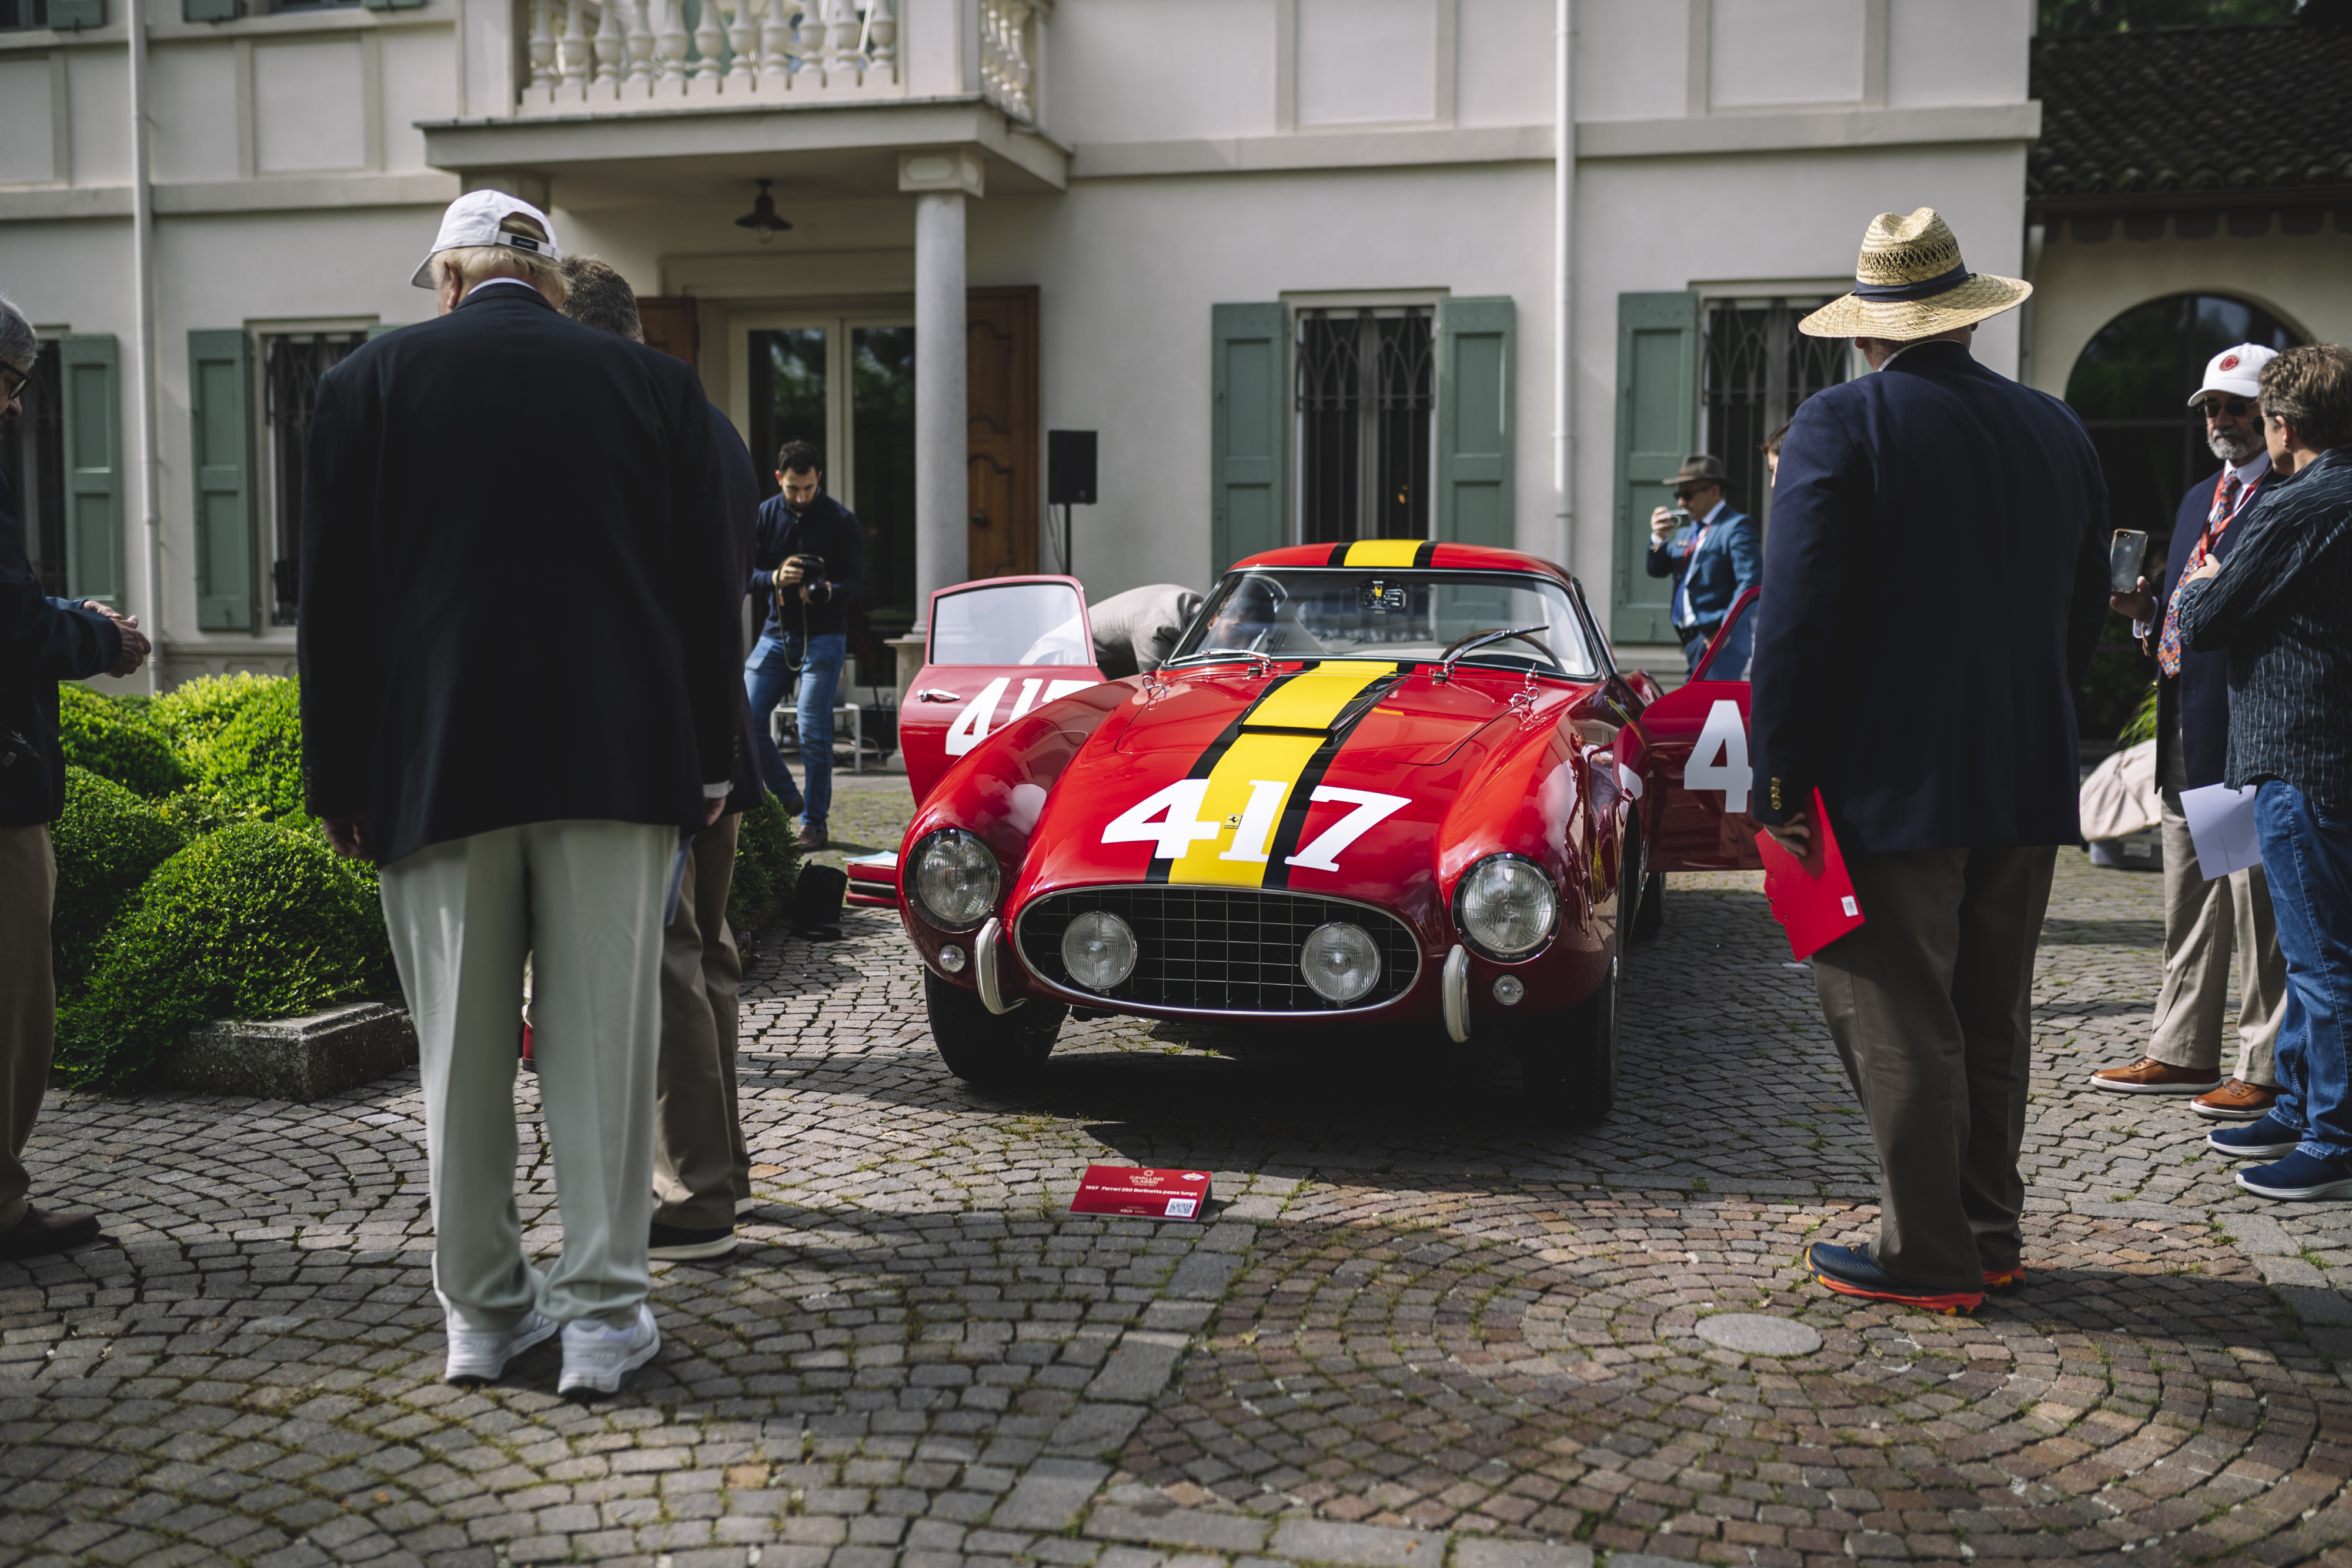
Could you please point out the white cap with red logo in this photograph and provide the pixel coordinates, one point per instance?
(2237, 372)
(473, 219)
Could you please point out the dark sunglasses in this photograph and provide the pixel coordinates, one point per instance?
(2235, 407)
(16, 390)
(1685, 492)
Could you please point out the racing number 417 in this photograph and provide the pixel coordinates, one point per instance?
(1178, 827)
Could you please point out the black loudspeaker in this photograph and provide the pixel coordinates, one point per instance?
(816, 900)
(1070, 467)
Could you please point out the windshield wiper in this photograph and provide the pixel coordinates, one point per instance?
(1461, 647)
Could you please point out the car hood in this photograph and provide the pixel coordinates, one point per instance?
(1334, 778)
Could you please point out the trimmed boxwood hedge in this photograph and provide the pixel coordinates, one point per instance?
(107, 842)
(256, 921)
(119, 740)
(767, 864)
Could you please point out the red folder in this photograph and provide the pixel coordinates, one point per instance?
(1812, 898)
(1143, 1191)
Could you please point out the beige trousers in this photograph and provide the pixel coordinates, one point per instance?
(2202, 922)
(1930, 1004)
(586, 899)
(700, 1165)
(28, 1002)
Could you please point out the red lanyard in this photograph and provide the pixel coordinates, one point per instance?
(1692, 553)
(2215, 526)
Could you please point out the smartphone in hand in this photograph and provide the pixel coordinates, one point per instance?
(2125, 558)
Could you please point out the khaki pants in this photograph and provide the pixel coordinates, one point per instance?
(2202, 922)
(586, 898)
(700, 1164)
(1929, 1003)
(28, 1002)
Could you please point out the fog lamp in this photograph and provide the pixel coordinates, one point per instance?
(1342, 962)
(1098, 950)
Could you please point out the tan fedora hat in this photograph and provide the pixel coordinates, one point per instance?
(1911, 283)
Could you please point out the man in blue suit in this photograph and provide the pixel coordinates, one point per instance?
(2204, 919)
(1934, 507)
(1711, 552)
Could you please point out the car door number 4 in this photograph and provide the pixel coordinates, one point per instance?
(972, 726)
(1719, 760)
(1178, 825)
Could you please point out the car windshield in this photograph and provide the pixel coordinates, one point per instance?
(1308, 612)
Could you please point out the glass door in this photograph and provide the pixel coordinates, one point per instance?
(845, 383)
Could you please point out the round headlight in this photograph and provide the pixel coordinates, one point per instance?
(1507, 907)
(955, 879)
(1098, 950)
(1342, 962)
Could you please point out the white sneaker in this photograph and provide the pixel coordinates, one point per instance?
(597, 1358)
(476, 1355)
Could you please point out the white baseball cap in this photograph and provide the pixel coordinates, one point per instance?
(2237, 372)
(473, 219)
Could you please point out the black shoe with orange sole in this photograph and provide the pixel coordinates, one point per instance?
(1851, 1271)
(2005, 1279)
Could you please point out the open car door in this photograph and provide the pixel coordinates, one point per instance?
(1698, 736)
(996, 649)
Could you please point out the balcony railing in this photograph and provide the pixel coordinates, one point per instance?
(677, 53)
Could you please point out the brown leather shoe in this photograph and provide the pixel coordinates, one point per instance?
(2150, 1076)
(2236, 1101)
(812, 840)
(41, 1232)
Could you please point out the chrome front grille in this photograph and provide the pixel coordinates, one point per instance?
(1215, 949)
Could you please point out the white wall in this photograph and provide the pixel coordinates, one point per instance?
(2079, 288)
(1144, 70)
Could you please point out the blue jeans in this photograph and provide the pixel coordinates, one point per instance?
(766, 674)
(2307, 859)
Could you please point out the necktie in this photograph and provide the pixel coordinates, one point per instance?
(2225, 503)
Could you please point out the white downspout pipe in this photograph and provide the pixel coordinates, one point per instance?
(142, 305)
(1563, 237)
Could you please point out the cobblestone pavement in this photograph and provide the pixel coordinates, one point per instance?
(1416, 1331)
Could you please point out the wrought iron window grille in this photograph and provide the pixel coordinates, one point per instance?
(1366, 392)
(291, 366)
(1756, 369)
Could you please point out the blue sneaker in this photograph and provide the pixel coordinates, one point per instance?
(2299, 1178)
(2266, 1139)
(1852, 1272)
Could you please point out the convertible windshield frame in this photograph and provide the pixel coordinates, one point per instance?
(1286, 637)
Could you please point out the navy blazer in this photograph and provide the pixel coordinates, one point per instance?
(1935, 581)
(1728, 562)
(43, 641)
(828, 529)
(2197, 699)
(497, 456)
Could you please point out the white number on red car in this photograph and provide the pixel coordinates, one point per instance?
(1719, 760)
(972, 724)
(1170, 820)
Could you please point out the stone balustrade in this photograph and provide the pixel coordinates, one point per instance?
(583, 54)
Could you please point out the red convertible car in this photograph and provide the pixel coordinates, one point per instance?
(1389, 782)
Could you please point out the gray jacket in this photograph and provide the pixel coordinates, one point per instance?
(2281, 607)
(1135, 630)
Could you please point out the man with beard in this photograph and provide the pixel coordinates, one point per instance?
(2203, 920)
(809, 554)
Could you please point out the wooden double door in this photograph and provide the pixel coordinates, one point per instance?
(1004, 443)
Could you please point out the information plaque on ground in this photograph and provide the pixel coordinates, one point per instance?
(1139, 1190)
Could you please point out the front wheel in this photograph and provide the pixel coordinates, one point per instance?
(1569, 1071)
(989, 1050)
(1650, 914)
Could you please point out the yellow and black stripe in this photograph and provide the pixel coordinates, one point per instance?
(1388, 554)
(1276, 751)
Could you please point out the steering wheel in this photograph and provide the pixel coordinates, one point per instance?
(1462, 646)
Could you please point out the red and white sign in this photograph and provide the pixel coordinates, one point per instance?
(1140, 1190)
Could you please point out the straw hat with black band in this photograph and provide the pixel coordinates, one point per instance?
(1911, 283)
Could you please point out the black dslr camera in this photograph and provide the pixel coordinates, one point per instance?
(812, 568)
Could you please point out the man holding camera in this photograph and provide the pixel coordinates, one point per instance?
(1709, 548)
(809, 555)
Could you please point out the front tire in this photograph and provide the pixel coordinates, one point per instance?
(1650, 914)
(986, 1050)
(1570, 1073)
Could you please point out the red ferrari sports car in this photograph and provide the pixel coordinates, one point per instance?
(1389, 782)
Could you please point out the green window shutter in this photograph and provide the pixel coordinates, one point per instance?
(1657, 427)
(208, 10)
(1248, 425)
(1475, 417)
(381, 327)
(72, 16)
(220, 406)
(93, 442)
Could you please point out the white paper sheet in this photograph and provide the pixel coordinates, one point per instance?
(2222, 825)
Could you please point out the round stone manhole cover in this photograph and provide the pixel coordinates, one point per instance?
(1754, 1334)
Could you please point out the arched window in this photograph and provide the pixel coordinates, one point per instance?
(2131, 385)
